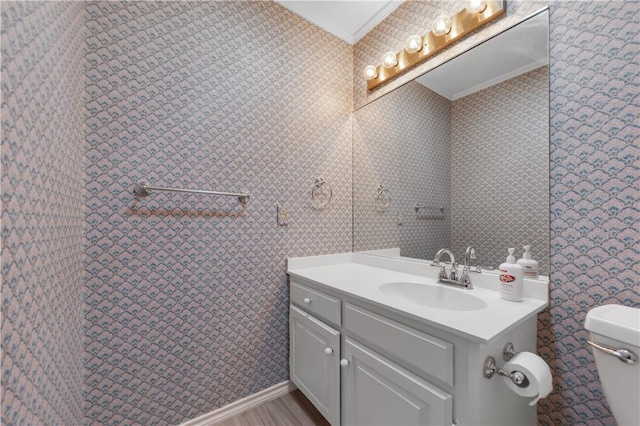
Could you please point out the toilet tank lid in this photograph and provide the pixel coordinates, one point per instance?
(617, 322)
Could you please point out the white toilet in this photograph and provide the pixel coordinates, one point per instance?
(615, 339)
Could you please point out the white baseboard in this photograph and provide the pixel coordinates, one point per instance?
(241, 405)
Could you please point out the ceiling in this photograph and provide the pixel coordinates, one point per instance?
(348, 20)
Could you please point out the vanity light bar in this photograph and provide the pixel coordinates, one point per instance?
(462, 23)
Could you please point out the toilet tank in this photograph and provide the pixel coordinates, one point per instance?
(620, 323)
(617, 327)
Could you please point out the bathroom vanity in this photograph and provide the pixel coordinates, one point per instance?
(376, 340)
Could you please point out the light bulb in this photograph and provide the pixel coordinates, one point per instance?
(370, 72)
(476, 6)
(413, 44)
(389, 60)
(441, 26)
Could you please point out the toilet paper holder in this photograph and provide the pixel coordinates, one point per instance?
(490, 367)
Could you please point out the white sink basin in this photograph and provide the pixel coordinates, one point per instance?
(434, 296)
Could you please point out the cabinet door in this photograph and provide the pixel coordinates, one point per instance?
(314, 362)
(376, 391)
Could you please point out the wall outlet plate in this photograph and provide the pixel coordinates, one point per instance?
(282, 216)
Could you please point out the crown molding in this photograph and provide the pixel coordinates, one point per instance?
(324, 21)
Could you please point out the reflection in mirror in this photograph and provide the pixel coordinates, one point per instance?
(471, 136)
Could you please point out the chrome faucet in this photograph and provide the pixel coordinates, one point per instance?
(443, 272)
(469, 255)
(452, 278)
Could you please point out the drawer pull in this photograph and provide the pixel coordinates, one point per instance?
(344, 362)
(328, 351)
(318, 304)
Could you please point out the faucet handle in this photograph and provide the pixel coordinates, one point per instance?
(465, 280)
(453, 276)
(442, 275)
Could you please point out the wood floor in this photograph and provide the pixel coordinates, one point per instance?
(292, 409)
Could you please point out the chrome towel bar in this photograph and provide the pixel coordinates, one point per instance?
(418, 207)
(143, 189)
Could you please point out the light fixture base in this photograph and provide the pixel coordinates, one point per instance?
(463, 23)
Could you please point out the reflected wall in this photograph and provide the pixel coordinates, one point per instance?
(500, 170)
(484, 158)
(403, 142)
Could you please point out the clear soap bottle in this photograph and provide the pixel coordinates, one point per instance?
(511, 279)
(529, 266)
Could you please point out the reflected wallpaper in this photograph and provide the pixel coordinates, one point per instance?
(484, 158)
(403, 142)
(500, 170)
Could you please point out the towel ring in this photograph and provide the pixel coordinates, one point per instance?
(321, 193)
(382, 199)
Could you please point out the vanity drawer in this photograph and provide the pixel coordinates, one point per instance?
(417, 349)
(313, 301)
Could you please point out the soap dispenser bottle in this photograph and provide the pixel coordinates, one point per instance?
(529, 266)
(511, 279)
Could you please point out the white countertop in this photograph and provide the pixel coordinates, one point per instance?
(361, 275)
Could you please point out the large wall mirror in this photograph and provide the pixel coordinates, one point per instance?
(459, 156)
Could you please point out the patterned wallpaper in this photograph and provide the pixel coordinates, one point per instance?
(42, 272)
(403, 142)
(594, 176)
(187, 298)
(500, 170)
(595, 193)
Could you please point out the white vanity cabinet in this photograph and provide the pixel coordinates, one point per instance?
(378, 391)
(413, 357)
(361, 363)
(315, 362)
(375, 391)
(353, 384)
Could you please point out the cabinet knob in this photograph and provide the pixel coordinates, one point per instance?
(306, 300)
(328, 351)
(344, 362)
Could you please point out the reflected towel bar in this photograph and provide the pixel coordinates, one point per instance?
(420, 206)
(143, 188)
